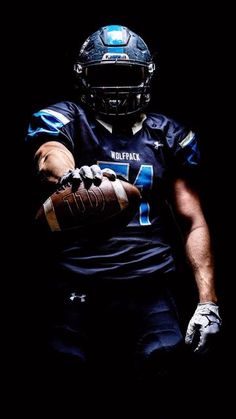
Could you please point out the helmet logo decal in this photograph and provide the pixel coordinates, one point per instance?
(115, 35)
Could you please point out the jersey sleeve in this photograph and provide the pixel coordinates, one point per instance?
(184, 148)
(51, 124)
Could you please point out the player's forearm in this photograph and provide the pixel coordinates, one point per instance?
(53, 160)
(198, 249)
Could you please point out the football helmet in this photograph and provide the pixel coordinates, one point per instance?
(113, 71)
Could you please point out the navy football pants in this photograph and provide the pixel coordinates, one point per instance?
(116, 327)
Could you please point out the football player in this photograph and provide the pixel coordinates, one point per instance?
(111, 295)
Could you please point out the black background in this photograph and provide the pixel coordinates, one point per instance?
(192, 85)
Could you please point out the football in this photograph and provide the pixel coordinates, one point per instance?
(109, 203)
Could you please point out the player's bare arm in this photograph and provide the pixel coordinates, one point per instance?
(53, 160)
(197, 239)
(56, 164)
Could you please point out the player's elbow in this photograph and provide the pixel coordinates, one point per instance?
(191, 220)
(190, 212)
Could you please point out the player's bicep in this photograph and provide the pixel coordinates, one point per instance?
(187, 204)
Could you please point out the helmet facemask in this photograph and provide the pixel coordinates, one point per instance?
(116, 88)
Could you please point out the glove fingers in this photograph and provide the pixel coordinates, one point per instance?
(66, 179)
(190, 334)
(202, 345)
(97, 174)
(75, 179)
(75, 176)
(208, 338)
(86, 173)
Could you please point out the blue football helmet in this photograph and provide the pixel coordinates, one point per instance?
(113, 72)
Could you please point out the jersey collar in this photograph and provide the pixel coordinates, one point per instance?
(135, 128)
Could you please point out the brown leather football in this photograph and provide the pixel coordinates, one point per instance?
(114, 201)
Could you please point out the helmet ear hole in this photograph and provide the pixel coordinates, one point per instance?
(113, 71)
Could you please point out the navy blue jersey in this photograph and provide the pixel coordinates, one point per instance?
(156, 151)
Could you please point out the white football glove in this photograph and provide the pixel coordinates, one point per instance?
(203, 327)
(88, 174)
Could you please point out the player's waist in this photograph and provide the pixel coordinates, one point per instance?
(98, 289)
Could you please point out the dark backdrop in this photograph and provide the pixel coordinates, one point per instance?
(191, 85)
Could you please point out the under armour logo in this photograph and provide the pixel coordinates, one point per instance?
(157, 144)
(75, 296)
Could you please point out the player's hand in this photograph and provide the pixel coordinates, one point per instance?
(87, 174)
(203, 327)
